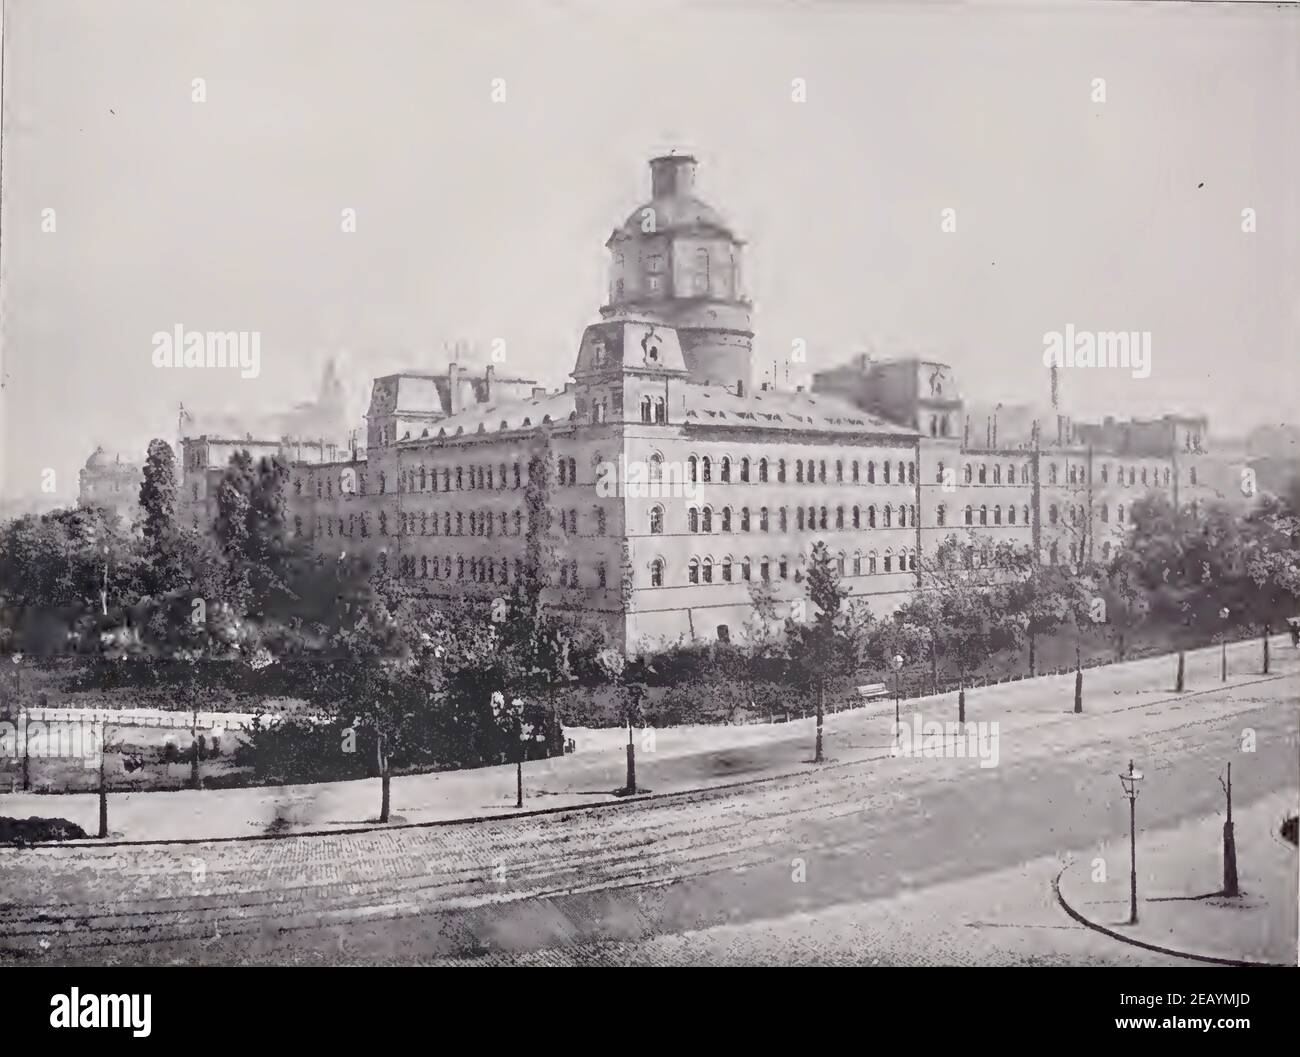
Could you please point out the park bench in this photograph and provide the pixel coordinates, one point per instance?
(872, 691)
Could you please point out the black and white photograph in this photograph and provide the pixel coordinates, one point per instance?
(662, 484)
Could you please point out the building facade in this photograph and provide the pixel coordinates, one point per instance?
(674, 487)
(109, 481)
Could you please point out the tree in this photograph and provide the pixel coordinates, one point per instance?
(821, 648)
(158, 496)
(1036, 596)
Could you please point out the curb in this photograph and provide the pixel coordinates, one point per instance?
(1237, 962)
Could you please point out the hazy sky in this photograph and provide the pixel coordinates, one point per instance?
(480, 220)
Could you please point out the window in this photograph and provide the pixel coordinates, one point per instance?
(997, 474)
(839, 517)
(744, 471)
(1144, 475)
(1025, 511)
(1119, 514)
(780, 471)
(706, 468)
(646, 409)
(783, 568)
(983, 474)
(693, 470)
(1105, 513)
(855, 471)
(692, 520)
(657, 573)
(902, 516)
(661, 409)
(889, 561)
(657, 521)
(941, 515)
(857, 564)
(966, 474)
(744, 519)
(693, 571)
(600, 521)
(1051, 473)
(726, 570)
(724, 471)
(839, 471)
(871, 563)
(707, 568)
(1105, 474)
(784, 521)
(1052, 514)
(798, 471)
(762, 520)
(1166, 475)
(706, 520)
(762, 471)
(765, 569)
(871, 473)
(656, 467)
(871, 516)
(889, 515)
(887, 464)
(1011, 514)
(1192, 474)
(745, 569)
(938, 476)
(857, 517)
(984, 515)
(970, 520)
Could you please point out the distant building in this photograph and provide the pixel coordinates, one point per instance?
(110, 482)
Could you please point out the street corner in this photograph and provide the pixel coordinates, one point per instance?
(1179, 901)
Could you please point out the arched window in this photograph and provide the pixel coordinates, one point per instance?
(889, 561)
(1051, 473)
(983, 474)
(966, 473)
(693, 571)
(940, 515)
(693, 470)
(889, 515)
(798, 471)
(997, 474)
(1011, 474)
(706, 469)
(784, 522)
(970, 520)
(871, 516)
(857, 517)
(871, 473)
(839, 564)
(839, 517)
(1011, 514)
(900, 471)
(647, 407)
(938, 475)
(724, 471)
(798, 518)
(1105, 513)
(823, 521)
(997, 515)
(706, 568)
(726, 519)
(661, 411)
(726, 570)
(1052, 553)
(744, 519)
(984, 515)
(887, 465)
(744, 470)
(854, 471)
(902, 516)
(1166, 475)
(706, 520)
(1052, 514)
(871, 563)
(656, 521)
(780, 471)
(857, 563)
(1025, 510)
(1105, 551)
(765, 568)
(911, 473)
(839, 471)
(657, 573)
(1105, 473)
(762, 520)
(1144, 475)
(762, 471)
(1119, 514)
(783, 567)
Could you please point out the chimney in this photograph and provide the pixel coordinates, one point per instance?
(740, 387)
(671, 175)
(453, 388)
(539, 391)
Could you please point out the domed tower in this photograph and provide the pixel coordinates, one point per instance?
(676, 261)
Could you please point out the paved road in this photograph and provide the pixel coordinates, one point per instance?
(889, 860)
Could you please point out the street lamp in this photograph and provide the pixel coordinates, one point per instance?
(18, 694)
(1223, 615)
(1130, 783)
(898, 670)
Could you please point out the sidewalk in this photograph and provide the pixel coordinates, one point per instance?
(1035, 716)
(1179, 872)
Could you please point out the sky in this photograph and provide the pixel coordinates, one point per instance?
(479, 220)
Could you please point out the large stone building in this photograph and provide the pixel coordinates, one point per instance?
(675, 485)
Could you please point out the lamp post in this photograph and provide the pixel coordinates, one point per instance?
(1130, 783)
(1223, 615)
(898, 674)
(18, 693)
